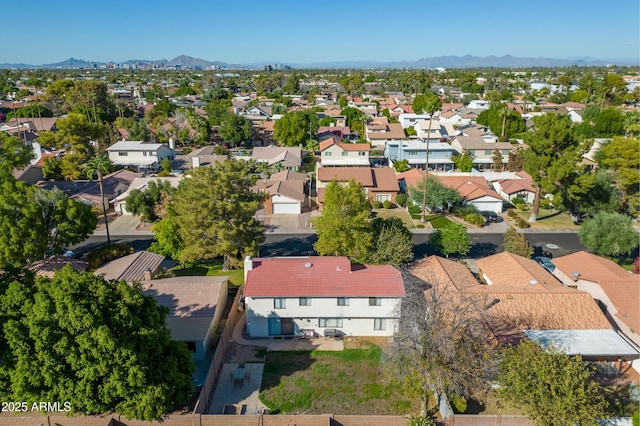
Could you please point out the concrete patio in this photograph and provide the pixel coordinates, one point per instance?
(245, 396)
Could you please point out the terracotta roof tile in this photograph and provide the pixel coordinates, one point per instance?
(321, 276)
(590, 267)
(469, 187)
(625, 296)
(362, 175)
(510, 272)
(385, 179)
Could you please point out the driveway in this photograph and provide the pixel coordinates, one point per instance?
(124, 225)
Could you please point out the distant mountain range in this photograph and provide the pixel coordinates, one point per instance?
(466, 61)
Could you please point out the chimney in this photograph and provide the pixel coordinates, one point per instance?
(248, 266)
(195, 162)
(147, 274)
(172, 144)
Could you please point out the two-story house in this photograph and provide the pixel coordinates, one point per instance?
(287, 296)
(335, 154)
(379, 132)
(410, 120)
(139, 155)
(482, 150)
(416, 153)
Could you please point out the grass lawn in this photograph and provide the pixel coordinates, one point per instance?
(397, 212)
(439, 221)
(548, 219)
(346, 382)
(210, 269)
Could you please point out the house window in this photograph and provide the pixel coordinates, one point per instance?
(305, 301)
(145, 154)
(375, 301)
(122, 154)
(279, 303)
(343, 301)
(487, 152)
(345, 153)
(383, 197)
(328, 154)
(362, 153)
(505, 152)
(379, 324)
(330, 322)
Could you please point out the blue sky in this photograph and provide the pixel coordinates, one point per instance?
(290, 31)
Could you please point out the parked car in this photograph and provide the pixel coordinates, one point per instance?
(545, 262)
(491, 217)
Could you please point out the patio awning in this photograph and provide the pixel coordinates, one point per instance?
(601, 344)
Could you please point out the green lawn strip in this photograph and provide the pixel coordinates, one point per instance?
(210, 269)
(439, 221)
(548, 219)
(339, 382)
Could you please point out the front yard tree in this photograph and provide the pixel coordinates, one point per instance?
(35, 222)
(437, 194)
(453, 239)
(235, 129)
(563, 392)
(463, 162)
(100, 165)
(440, 347)
(552, 159)
(516, 243)
(608, 234)
(13, 153)
(100, 345)
(145, 203)
(392, 242)
(215, 213)
(621, 157)
(168, 241)
(344, 228)
(295, 128)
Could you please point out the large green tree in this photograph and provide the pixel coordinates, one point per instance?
(426, 104)
(516, 243)
(552, 161)
(344, 229)
(145, 203)
(561, 392)
(294, 128)
(621, 157)
(168, 241)
(99, 345)
(13, 153)
(501, 120)
(35, 222)
(215, 212)
(432, 194)
(392, 242)
(609, 234)
(453, 239)
(235, 129)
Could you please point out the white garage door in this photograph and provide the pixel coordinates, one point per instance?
(286, 208)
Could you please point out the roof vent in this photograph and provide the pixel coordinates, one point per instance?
(308, 265)
(338, 268)
(575, 274)
(533, 282)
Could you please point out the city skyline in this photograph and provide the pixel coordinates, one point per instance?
(298, 33)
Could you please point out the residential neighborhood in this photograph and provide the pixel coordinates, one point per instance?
(141, 206)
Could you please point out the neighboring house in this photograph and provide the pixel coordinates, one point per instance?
(204, 156)
(88, 191)
(30, 174)
(290, 158)
(410, 120)
(343, 154)
(36, 124)
(340, 132)
(141, 184)
(287, 295)
(616, 290)
(379, 131)
(139, 155)
(521, 187)
(589, 158)
(481, 149)
(142, 265)
(47, 267)
(475, 190)
(478, 104)
(195, 308)
(258, 112)
(521, 299)
(286, 192)
(380, 184)
(415, 152)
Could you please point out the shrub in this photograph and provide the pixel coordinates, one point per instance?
(464, 210)
(521, 206)
(458, 403)
(512, 214)
(521, 223)
(401, 199)
(163, 173)
(387, 204)
(545, 203)
(376, 204)
(420, 225)
(414, 210)
(518, 200)
(186, 151)
(104, 254)
(475, 219)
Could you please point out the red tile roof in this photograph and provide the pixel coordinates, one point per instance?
(321, 276)
(469, 187)
(625, 297)
(362, 175)
(590, 267)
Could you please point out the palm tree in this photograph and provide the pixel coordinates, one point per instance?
(100, 165)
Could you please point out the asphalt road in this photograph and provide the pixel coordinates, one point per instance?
(549, 244)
